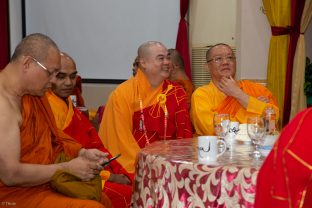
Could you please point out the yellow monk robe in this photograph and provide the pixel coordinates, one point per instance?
(122, 127)
(76, 125)
(41, 143)
(208, 100)
(189, 89)
(285, 178)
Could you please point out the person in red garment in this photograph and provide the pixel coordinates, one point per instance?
(75, 124)
(146, 108)
(285, 178)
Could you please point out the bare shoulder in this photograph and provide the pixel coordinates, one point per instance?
(10, 120)
(9, 111)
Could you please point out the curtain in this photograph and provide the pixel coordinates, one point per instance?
(296, 13)
(278, 14)
(4, 33)
(182, 38)
(298, 99)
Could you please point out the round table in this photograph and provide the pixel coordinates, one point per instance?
(168, 174)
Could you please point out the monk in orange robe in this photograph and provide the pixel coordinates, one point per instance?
(145, 108)
(74, 123)
(30, 142)
(225, 95)
(178, 75)
(284, 179)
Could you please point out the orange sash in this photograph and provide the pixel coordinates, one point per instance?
(119, 123)
(41, 143)
(231, 106)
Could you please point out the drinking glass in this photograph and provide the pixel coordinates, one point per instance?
(256, 132)
(221, 125)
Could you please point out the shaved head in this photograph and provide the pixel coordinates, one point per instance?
(208, 53)
(176, 58)
(66, 57)
(35, 45)
(144, 49)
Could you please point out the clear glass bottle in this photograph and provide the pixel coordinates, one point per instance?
(270, 120)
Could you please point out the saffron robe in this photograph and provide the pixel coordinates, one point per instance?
(209, 100)
(285, 178)
(76, 125)
(121, 128)
(41, 143)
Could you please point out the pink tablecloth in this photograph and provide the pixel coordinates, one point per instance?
(168, 175)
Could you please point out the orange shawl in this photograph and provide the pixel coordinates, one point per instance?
(118, 127)
(231, 106)
(209, 100)
(41, 143)
(76, 125)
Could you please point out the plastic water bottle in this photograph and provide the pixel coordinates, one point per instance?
(270, 120)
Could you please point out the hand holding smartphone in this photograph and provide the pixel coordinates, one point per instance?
(111, 159)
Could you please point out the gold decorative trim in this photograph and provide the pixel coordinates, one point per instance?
(304, 163)
(280, 198)
(304, 193)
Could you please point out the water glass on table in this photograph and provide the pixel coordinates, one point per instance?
(256, 131)
(221, 125)
(230, 138)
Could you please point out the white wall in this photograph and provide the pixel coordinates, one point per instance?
(212, 21)
(239, 23)
(253, 39)
(103, 36)
(252, 35)
(16, 33)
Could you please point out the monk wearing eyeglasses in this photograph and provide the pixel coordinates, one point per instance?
(30, 143)
(226, 95)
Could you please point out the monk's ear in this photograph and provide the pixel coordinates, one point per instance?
(25, 62)
(142, 63)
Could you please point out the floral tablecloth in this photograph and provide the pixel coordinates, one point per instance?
(168, 174)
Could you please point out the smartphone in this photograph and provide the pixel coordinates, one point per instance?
(111, 159)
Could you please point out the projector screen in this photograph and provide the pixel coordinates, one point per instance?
(103, 35)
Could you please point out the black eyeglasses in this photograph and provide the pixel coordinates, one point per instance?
(219, 59)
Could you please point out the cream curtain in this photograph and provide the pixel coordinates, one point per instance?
(278, 13)
(298, 99)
